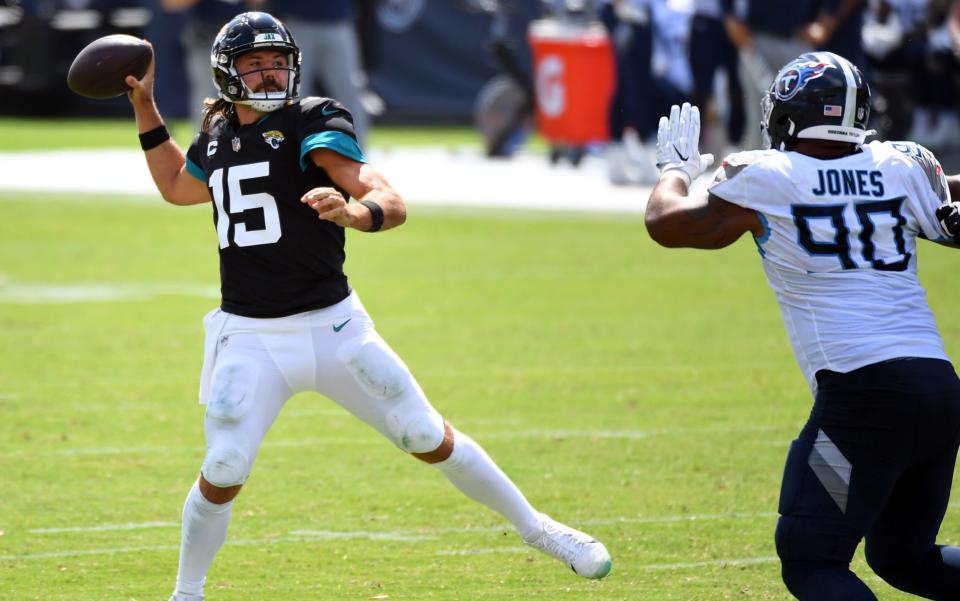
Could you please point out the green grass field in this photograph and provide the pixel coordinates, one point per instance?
(645, 395)
(38, 134)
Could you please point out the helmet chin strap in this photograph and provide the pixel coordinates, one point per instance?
(265, 106)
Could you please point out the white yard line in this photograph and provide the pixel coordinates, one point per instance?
(546, 434)
(423, 175)
(400, 536)
(84, 292)
(415, 535)
(484, 551)
(105, 527)
(305, 535)
(87, 552)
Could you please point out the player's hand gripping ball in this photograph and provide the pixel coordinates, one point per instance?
(100, 68)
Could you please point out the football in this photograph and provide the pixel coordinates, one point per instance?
(101, 67)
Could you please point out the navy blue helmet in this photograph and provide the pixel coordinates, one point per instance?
(244, 33)
(818, 95)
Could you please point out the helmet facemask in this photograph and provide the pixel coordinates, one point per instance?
(265, 100)
(777, 132)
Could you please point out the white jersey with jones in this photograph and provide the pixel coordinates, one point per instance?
(839, 248)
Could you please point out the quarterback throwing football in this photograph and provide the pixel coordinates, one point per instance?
(280, 173)
(836, 223)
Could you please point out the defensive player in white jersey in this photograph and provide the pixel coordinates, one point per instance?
(836, 222)
(278, 174)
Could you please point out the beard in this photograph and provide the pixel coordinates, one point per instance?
(269, 86)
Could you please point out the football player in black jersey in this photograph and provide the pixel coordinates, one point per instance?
(280, 173)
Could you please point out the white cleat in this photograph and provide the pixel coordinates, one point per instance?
(585, 555)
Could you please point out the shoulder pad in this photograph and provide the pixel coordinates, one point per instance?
(737, 162)
(928, 162)
(316, 106)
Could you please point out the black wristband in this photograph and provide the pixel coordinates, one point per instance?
(376, 213)
(155, 137)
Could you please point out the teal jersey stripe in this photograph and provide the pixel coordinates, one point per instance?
(334, 140)
(194, 170)
(762, 239)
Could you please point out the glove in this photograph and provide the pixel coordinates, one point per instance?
(949, 216)
(678, 140)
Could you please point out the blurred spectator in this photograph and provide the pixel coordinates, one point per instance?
(935, 119)
(331, 53)
(894, 39)
(845, 40)
(768, 36)
(953, 27)
(650, 40)
(163, 31)
(369, 35)
(913, 66)
(630, 25)
(672, 76)
(206, 17)
(711, 51)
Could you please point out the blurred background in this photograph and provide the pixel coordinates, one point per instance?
(578, 77)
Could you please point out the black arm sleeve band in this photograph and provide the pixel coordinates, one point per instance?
(376, 213)
(153, 138)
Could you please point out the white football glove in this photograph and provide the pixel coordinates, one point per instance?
(678, 141)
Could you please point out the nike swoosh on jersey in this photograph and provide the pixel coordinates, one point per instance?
(339, 327)
(327, 112)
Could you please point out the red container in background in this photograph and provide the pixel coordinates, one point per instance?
(574, 77)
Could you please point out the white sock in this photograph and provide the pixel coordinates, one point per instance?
(203, 531)
(472, 471)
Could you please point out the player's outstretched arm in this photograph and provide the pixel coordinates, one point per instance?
(675, 219)
(166, 160)
(362, 182)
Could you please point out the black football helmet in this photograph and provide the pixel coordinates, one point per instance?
(242, 34)
(817, 95)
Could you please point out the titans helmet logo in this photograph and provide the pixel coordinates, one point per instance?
(795, 77)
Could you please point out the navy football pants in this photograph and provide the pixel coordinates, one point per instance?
(875, 460)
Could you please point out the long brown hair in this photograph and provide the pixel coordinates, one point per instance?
(213, 108)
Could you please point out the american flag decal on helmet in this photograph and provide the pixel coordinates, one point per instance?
(832, 110)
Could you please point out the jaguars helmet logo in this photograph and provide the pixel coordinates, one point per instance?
(273, 138)
(795, 77)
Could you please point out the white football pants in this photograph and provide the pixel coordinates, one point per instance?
(252, 366)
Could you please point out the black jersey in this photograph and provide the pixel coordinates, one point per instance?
(277, 257)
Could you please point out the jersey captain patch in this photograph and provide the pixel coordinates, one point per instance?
(273, 138)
